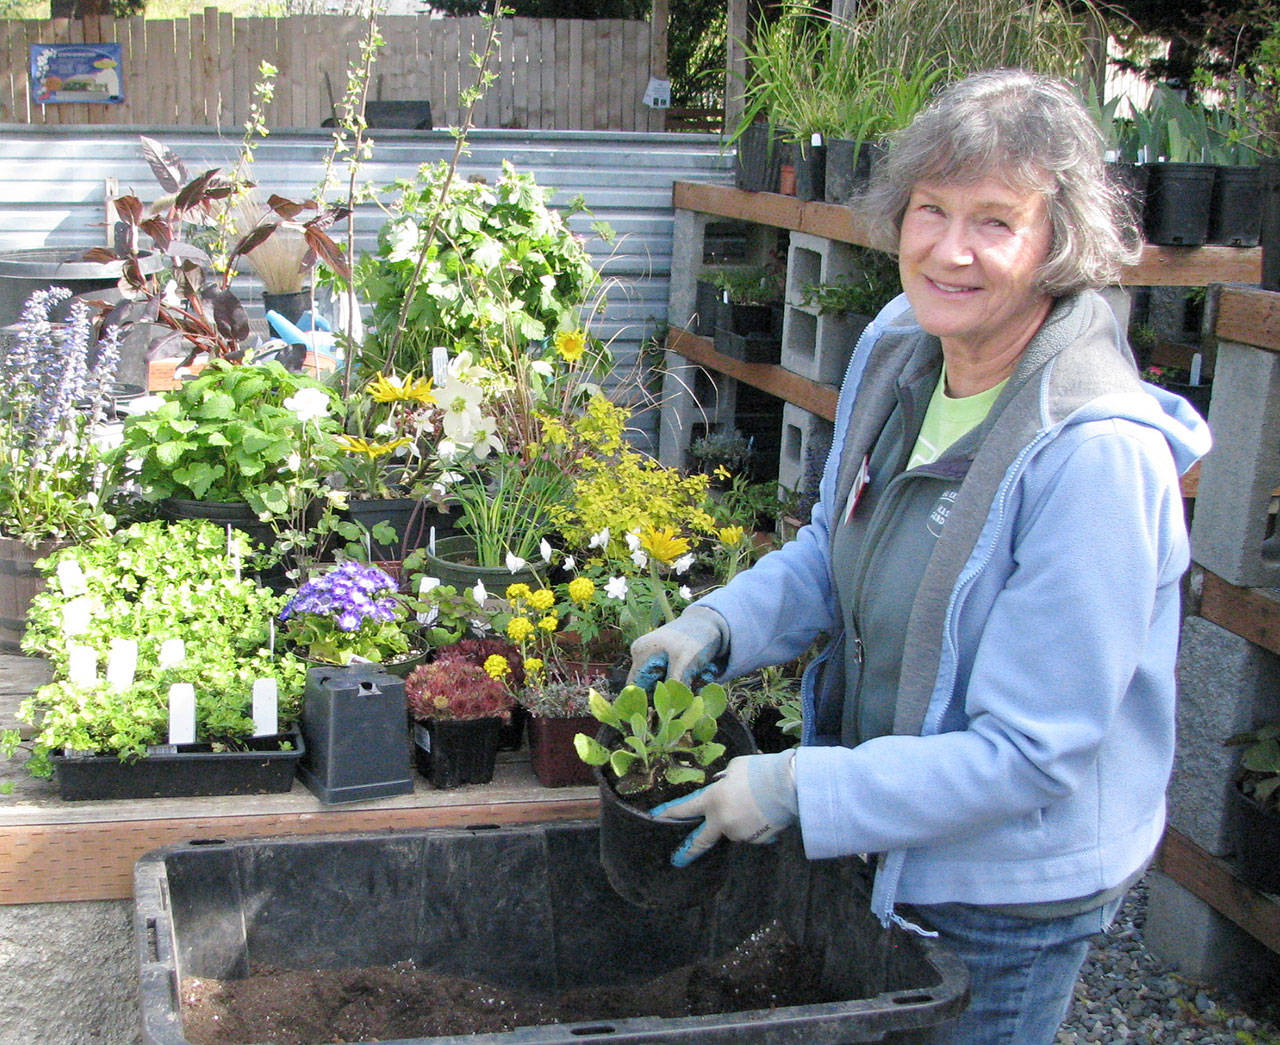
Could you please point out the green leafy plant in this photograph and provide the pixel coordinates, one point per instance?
(728, 449)
(1259, 774)
(446, 614)
(771, 687)
(670, 739)
(152, 582)
(754, 285)
(256, 434)
(55, 482)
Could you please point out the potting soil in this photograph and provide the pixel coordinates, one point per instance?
(316, 1007)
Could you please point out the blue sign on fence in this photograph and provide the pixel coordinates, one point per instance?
(76, 73)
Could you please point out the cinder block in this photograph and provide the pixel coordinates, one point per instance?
(1183, 931)
(1228, 533)
(802, 432)
(1226, 685)
(811, 260)
(819, 347)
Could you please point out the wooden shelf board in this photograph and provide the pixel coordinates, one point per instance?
(54, 863)
(1217, 884)
(768, 377)
(1251, 613)
(1249, 316)
(1159, 266)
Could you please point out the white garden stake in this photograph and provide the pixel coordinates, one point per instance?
(76, 615)
(122, 663)
(182, 713)
(266, 721)
(233, 553)
(172, 653)
(82, 665)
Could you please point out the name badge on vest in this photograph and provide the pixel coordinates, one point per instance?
(860, 482)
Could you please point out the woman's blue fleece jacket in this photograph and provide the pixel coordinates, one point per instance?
(1034, 726)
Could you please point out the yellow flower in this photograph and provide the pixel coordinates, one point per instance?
(355, 445)
(533, 665)
(549, 623)
(571, 344)
(496, 666)
(440, 701)
(731, 536)
(721, 472)
(410, 389)
(663, 544)
(542, 599)
(581, 589)
(519, 629)
(516, 592)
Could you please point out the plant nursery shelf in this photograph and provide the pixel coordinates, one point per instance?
(1214, 882)
(1159, 267)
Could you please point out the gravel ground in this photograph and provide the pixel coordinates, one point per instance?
(1125, 994)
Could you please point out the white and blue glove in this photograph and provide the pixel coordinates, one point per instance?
(685, 650)
(753, 800)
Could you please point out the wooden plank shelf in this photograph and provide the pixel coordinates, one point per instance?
(1159, 267)
(1251, 613)
(1217, 884)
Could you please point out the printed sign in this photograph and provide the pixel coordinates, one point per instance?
(76, 73)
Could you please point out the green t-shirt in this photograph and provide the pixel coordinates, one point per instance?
(948, 418)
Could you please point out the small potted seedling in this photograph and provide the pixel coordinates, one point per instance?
(650, 751)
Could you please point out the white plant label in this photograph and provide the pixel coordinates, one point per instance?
(266, 705)
(82, 665)
(182, 713)
(122, 663)
(172, 653)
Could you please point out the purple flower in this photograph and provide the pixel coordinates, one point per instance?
(347, 595)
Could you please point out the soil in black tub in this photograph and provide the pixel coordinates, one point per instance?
(767, 970)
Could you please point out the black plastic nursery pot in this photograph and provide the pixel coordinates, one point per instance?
(1257, 843)
(1235, 218)
(811, 171)
(413, 520)
(636, 848)
(759, 159)
(848, 168)
(1270, 235)
(454, 753)
(1179, 199)
(266, 766)
(356, 729)
(758, 347)
(527, 908)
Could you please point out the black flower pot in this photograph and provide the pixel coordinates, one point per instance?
(1132, 180)
(1235, 219)
(412, 519)
(1270, 232)
(706, 307)
(452, 753)
(636, 848)
(758, 161)
(291, 305)
(1257, 844)
(848, 168)
(811, 171)
(236, 514)
(1179, 196)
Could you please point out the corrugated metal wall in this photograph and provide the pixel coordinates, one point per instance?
(52, 192)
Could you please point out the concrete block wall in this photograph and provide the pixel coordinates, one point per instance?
(1229, 531)
(801, 432)
(817, 346)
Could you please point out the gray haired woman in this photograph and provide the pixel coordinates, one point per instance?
(995, 555)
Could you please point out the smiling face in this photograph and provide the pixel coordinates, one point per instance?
(968, 255)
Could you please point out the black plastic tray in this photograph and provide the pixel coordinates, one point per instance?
(187, 771)
(526, 907)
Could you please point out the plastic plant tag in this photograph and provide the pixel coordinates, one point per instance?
(82, 665)
(182, 713)
(265, 708)
(122, 663)
(70, 577)
(172, 653)
(76, 615)
(439, 364)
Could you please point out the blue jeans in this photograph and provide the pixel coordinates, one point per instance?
(1022, 971)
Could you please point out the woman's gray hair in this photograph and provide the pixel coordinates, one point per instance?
(1035, 134)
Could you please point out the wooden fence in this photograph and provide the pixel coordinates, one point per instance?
(566, 74)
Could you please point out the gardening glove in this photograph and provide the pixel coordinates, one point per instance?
(751, 801)
(684, 649)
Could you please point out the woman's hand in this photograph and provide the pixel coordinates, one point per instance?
(683, 650)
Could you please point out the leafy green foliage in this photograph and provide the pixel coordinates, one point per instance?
(671, 738)
(228, 436)
(152, 582)
(1260, 764)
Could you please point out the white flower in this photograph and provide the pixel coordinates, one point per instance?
(685, 592)
(478, 593)
(599, 540)
(71, 577)
(293, 462)
(514, 563)
(640, 557)
(544, 549)
(308, 404)
(448, 449)
(616, 588)
(569, 562)
(682, 564)
(633, 540)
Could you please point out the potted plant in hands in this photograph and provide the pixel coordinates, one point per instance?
(55, 480)
(458, 708)
(159, 604)
(649, 752)
(1257, 787)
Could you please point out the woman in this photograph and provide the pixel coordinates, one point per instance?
(995, 555)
